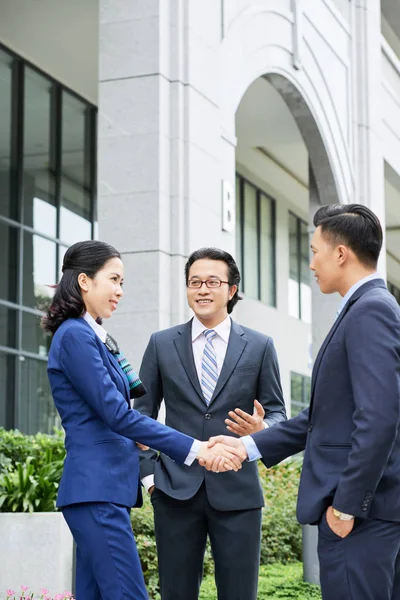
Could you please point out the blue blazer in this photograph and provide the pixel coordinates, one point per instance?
(351, 432)
(91, 394)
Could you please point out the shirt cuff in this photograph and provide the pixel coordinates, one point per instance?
(266, 425)
(148, 482)
(194, 450)
(253, 452)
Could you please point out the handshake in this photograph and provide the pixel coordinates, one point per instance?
(222, 453)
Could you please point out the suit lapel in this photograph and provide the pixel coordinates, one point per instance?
(183, 345)
(236, 345)
(357, 294)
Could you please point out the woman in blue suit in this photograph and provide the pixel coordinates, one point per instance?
(92, 384)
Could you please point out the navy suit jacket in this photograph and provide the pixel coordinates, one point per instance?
(350, 433)
(91, 394)
(168, 370)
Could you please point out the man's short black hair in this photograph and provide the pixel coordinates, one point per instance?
(217, 254)
(353, 225)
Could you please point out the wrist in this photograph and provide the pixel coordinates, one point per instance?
(341, 516)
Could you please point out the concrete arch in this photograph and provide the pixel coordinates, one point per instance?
(259, 43)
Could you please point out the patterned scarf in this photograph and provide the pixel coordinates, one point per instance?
(136, 387)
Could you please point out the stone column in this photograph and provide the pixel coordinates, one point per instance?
(159, 147)
(368, 155)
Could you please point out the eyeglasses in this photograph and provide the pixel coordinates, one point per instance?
(210, 283)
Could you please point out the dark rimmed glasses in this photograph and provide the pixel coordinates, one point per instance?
(212, 284)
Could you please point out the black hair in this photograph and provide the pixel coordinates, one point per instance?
(353, 225)
(83, 257)
(217, 254)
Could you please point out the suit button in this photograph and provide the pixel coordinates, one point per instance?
(309, 428)
(207, 416)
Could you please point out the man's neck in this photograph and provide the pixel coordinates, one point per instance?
(212, 323)
(354, 278)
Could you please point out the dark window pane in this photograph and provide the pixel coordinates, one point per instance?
(8, 326)
(300, 392)
(250, 262)
(34, 339)
(305, 288)
(76, 209)
(294, 283)
(5, 135)
(267, 270)
(9, 237)
(239, 229)
(7, 389)
(39, 155)
(39, 270)
(36, 411)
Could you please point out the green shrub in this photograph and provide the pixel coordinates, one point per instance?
(30, 471)
(281, 539)
(276, 582)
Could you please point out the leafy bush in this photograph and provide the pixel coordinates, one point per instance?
(30, 471)
(281, 539)
(276, 582)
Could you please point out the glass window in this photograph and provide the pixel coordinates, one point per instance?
(36, 410)
(7, 389)
(39, 155)
(8, 326)
(395, 290)
(39, 270)
(250, 250)
(6, 206)
(255, 241)
(294, 303)
(76, 203)
(299, 289)
(267, 253)
(239, 221)
(9, 238)
(34, 338)
(47, 162)
(300, 392)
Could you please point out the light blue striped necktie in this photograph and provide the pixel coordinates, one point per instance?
(209, 369)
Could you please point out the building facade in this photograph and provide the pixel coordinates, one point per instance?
(162, 126)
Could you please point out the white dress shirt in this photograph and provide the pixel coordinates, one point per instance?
(102, 334)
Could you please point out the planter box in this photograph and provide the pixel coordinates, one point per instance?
(37, 550)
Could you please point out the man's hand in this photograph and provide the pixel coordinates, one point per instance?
(151, 489)
(142, 446)
(341, 528)
(219, 457)
(245, 424)
(227, 441)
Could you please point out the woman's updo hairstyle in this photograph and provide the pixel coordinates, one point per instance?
(83, 257)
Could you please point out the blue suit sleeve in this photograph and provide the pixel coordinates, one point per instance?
(372, 347)
(283, 439)
(82, 363)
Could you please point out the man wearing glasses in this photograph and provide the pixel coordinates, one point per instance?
(213, 374)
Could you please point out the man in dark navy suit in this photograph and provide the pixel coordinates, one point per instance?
(350, 482)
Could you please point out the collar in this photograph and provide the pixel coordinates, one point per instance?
(222, 329)
(98, 329)
(354, 288)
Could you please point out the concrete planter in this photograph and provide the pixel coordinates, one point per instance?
(36, 550)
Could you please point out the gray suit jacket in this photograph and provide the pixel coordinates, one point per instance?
(250, 371)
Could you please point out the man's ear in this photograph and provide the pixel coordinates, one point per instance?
(232, 291)
(342, 254)
(83, 281)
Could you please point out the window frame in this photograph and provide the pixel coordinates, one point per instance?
(16, 355)
(240, 225)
